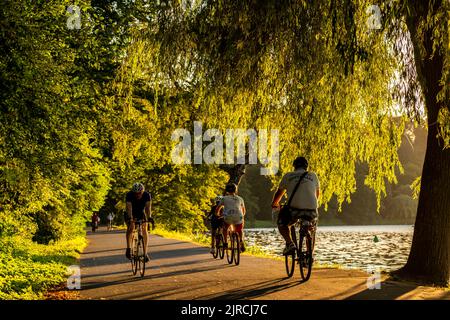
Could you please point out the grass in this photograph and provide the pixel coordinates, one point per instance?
(28, 270)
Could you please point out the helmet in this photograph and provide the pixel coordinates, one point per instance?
(218, 199)
(231, 188)
(300, 162)
(138, 187)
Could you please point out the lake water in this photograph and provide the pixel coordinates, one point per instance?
(348, 246)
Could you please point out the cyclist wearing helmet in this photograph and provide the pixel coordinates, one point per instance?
(303, 203)
(138, 208)
(216, 222)
(233, 212)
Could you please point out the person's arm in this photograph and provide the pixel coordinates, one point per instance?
(277, 197)
(317, 187)
(148, 209)
(218, 210)
(130, 210)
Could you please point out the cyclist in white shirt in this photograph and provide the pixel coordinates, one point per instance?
(233, 212)
(304, 203)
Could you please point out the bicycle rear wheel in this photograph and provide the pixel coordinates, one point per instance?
(229, 249)
(141, 256)
(236, 248)
(216, 246)
(289, 260)
(221, 248)
(305, 257)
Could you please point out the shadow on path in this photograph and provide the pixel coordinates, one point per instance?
(389, 290)
(255, 290)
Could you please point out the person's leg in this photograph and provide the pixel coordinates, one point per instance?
(130, 229)
(239, 229)
(129, 235)
(213, 232)
(145, 236)
(144, 227)
(285, 230)
(284, 226)
(225, 233)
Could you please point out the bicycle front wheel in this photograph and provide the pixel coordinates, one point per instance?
(141, 256)
(221, 248)
(236, 248)
(289, 260)
(305, 257)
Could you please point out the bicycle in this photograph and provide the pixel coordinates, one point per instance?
(303, 253)
(110, 227)
(138, 253)
(233, 250)
(219, 249)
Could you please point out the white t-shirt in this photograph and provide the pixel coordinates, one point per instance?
(305, 196)
(110, 216)
(233, 206)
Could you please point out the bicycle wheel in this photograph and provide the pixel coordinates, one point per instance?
(221, 248)
(141, 256)
(133, 255)
(216, 246)
(229, 249)
(236, 248)
(305, 256)
(289, 260)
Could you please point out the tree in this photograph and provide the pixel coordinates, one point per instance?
(335, 85)
(429, 258)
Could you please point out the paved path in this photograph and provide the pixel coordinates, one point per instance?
(182, 270)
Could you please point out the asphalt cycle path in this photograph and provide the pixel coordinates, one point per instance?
(183, 270)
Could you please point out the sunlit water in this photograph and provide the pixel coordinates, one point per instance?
(348, 246)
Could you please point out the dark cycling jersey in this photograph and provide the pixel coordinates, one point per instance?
(138, 205)
(215, 221)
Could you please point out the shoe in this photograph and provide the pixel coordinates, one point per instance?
(242, 247)
(290, 249)
(128, 253)
(211, 251)
(147, 259)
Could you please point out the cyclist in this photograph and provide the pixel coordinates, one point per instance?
(216, 222)
(95, 221)
(303, 204)
(233, 212)
(110, 218)
(138, 206)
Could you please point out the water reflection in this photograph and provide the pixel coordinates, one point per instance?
(349, 246)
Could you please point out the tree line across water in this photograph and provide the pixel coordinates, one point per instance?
(88, 110)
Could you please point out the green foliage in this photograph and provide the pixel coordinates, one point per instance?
(27, 269)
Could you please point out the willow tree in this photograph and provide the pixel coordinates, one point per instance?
(338, 85)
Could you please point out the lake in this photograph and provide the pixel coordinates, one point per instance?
(348, 246)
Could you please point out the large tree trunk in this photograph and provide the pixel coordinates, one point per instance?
(429, 259)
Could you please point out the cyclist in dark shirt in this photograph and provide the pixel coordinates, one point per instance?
(138, 205)
(216, 222)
